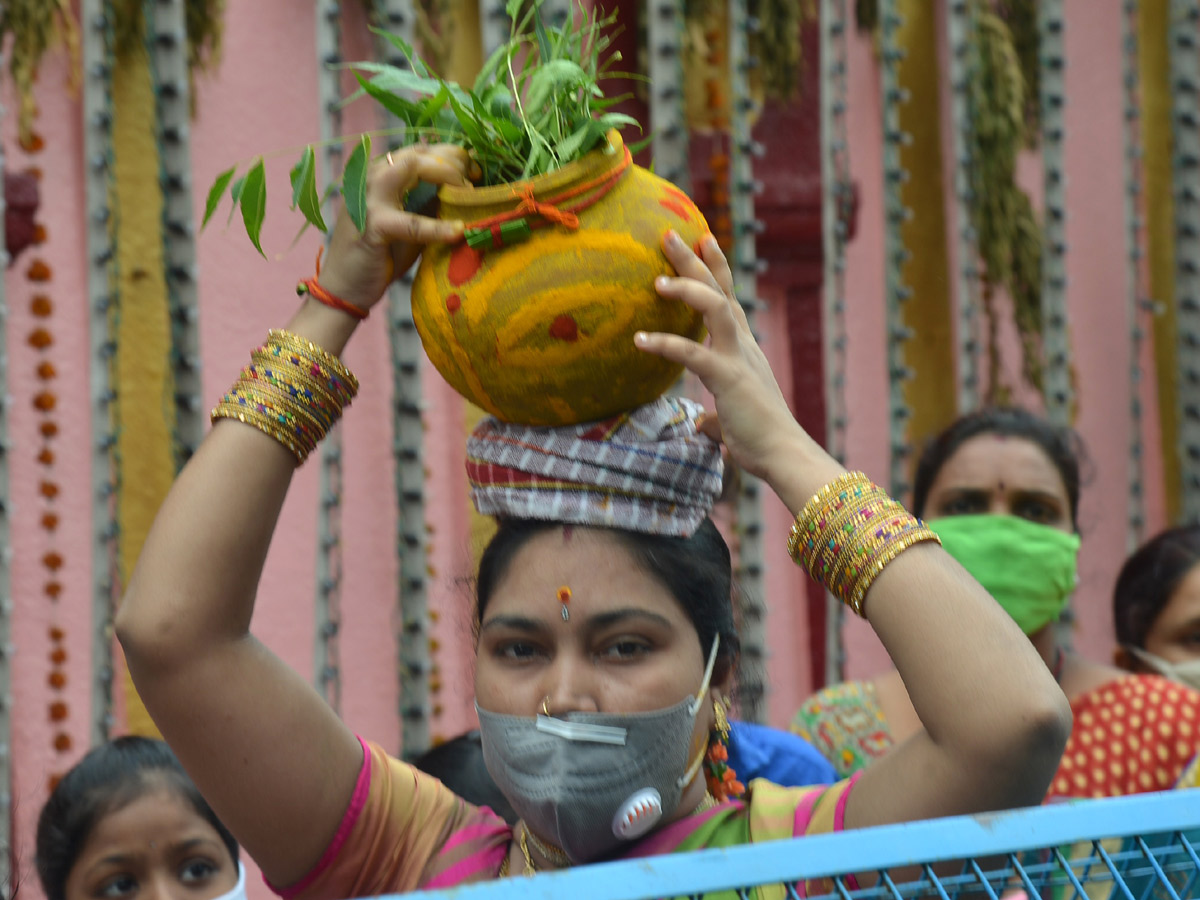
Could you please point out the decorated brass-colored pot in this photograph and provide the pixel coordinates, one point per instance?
(532, 317)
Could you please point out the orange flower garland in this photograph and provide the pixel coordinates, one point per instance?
(45, 401)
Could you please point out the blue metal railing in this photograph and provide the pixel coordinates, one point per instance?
(1126, 848)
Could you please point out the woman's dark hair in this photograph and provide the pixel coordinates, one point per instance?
(458, 764)
(696, 570)
(1149, 578)
(1061, 445)
(107, 779)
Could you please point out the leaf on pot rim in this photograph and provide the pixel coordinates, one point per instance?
(354, 182)
(403, 109)
(304, 189)
(253, 201)
(235, 194)
(216, 192)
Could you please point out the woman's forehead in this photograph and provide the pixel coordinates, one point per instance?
(592, 567)
(988, 460)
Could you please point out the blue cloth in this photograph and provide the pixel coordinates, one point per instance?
(756, 751)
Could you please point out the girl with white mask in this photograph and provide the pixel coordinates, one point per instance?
(1156, 607)
(127, 823)
(606, 649)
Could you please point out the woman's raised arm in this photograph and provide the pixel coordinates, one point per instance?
(268, 753)
(995, 723)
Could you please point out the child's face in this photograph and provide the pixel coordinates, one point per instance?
(157, 847)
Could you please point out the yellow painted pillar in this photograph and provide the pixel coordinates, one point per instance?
(1159, 210)
(463, 64)
(930, 393)
(465, 51)
(145, 411)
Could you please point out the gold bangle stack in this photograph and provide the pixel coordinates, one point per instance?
(292, 391)
(848, 532)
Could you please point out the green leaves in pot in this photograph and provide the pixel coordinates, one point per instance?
(535, 106)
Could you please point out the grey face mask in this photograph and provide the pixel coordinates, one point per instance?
(588, 781)
(1187, 672)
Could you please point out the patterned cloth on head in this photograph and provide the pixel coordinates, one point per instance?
(647, 470)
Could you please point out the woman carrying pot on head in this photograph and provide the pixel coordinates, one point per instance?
(1156, 607)
(1001, 489)
(127, 822)
(606, 645)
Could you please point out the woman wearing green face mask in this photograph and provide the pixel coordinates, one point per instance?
(1001, 489)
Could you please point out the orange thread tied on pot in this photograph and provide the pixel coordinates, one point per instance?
(548, 210)
(532, 205)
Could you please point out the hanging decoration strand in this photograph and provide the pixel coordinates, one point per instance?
(415, 665)
(1185, 84)
(1056, 347)
(960, 27)
(1138, 305)
(97, 117)
(837, 198)
(896, 292)
(668, 121)
(745, 264)
(326, 662)
(166, 21)
(7, 887)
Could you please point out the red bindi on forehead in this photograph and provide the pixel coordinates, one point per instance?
(568, 532)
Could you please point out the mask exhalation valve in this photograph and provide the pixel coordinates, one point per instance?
(638, 814)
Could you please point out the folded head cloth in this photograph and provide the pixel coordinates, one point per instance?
(648, 470)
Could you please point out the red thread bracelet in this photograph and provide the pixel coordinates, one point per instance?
(311, 287)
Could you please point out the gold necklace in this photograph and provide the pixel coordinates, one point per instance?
(553, 855)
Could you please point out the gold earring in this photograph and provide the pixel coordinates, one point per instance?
(721, 722)
(546, 706)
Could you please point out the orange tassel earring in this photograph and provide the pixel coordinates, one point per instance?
(722, 780)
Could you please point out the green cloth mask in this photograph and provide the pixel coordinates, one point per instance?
(1029, 568)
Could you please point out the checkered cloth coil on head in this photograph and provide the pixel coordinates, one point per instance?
(647, 470)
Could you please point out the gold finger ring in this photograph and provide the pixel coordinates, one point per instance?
(391, 162)
(546, 706)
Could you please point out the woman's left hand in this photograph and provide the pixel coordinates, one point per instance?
(753, 417)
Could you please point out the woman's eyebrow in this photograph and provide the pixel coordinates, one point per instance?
(516, 623)
(620, 616)
(193, 843)
(1037, 494)
(964, 493)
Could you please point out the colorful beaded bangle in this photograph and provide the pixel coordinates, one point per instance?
(230, 408)
(293, 391)
(848, 532)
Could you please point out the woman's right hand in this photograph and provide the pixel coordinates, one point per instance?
(358, 267)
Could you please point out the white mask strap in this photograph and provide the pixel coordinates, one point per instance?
(708, 670)
(1157, 663)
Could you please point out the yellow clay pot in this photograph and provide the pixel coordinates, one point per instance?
(540, 331)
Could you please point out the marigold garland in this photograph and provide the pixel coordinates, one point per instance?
(45, 401)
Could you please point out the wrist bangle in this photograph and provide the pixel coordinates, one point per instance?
(293, 391)
(848, 532)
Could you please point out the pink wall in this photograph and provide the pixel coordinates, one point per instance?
(263, 97)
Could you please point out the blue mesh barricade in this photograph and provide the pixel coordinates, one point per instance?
(1128, 848)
